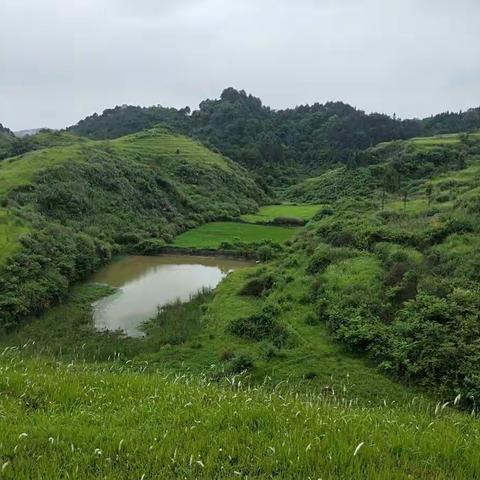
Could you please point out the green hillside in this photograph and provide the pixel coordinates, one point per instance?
(7, 139)
(393, 259)
(281, 146)
(389, 167)
(348, 354)
(112, 421)
(86, 201)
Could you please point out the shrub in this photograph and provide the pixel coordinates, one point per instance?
(312, 319)
(226, 355)
(261, 326)
(258, 286)
(151, 246)
(289, 221)
(241, 364)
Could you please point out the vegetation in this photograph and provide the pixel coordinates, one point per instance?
(6, 141)
(11, 146)
(220, 234)
(273, 213)
(109, 421)
(87, 201)
(282, 146)
(393, 273)
(349, 352)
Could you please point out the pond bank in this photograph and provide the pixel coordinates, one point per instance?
(209, 252)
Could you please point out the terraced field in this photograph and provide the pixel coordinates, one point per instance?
(158, 146)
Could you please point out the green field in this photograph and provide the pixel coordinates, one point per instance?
(268, 213)
(80, 421)
(211, 235)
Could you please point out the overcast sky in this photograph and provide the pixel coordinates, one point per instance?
(61, 60)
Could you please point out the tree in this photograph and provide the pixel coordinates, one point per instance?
(405, 198)
(428, 192)
(389, 183)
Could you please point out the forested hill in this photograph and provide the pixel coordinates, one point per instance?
(5, 130)
(6, 140)
(66, 210)
(241, 127)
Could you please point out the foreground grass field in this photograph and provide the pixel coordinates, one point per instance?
(268, 213)
(211, 235)
(109, 421)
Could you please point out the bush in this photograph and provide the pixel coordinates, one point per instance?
(241, 364)
(263, 325)
(289, 221)
(226, 355)
(152, 246)
(258, 286)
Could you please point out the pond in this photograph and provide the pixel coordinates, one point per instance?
(144, 283)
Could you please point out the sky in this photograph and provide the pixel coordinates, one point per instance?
(61, 60)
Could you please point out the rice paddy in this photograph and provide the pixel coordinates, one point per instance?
(212, 235)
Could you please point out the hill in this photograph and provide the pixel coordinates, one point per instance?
(326, 361)
(85, 201)
(388, 167)
(7, 139)
(393, 259)
(281, 146)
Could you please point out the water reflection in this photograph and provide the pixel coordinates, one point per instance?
(144, 283)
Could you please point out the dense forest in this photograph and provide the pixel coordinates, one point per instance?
(279, 143)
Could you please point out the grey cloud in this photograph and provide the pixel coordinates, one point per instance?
(60, 61)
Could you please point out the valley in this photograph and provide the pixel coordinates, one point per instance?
(167, 310)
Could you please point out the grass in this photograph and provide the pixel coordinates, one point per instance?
(152, 146)
(19, 171)
(75, 420)
(193, 337)
(211, 235)
(168, 148)
(269, 212)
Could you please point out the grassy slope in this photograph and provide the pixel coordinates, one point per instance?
(154, 148)
(213, 234)
(106, 421)
(366, 182)
(269, 212)
(66, 332)
(19, 171)
(402, 439)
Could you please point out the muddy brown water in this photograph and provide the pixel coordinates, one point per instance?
(144, 283)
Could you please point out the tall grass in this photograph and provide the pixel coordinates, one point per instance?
(178, 320)
(76, 420)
